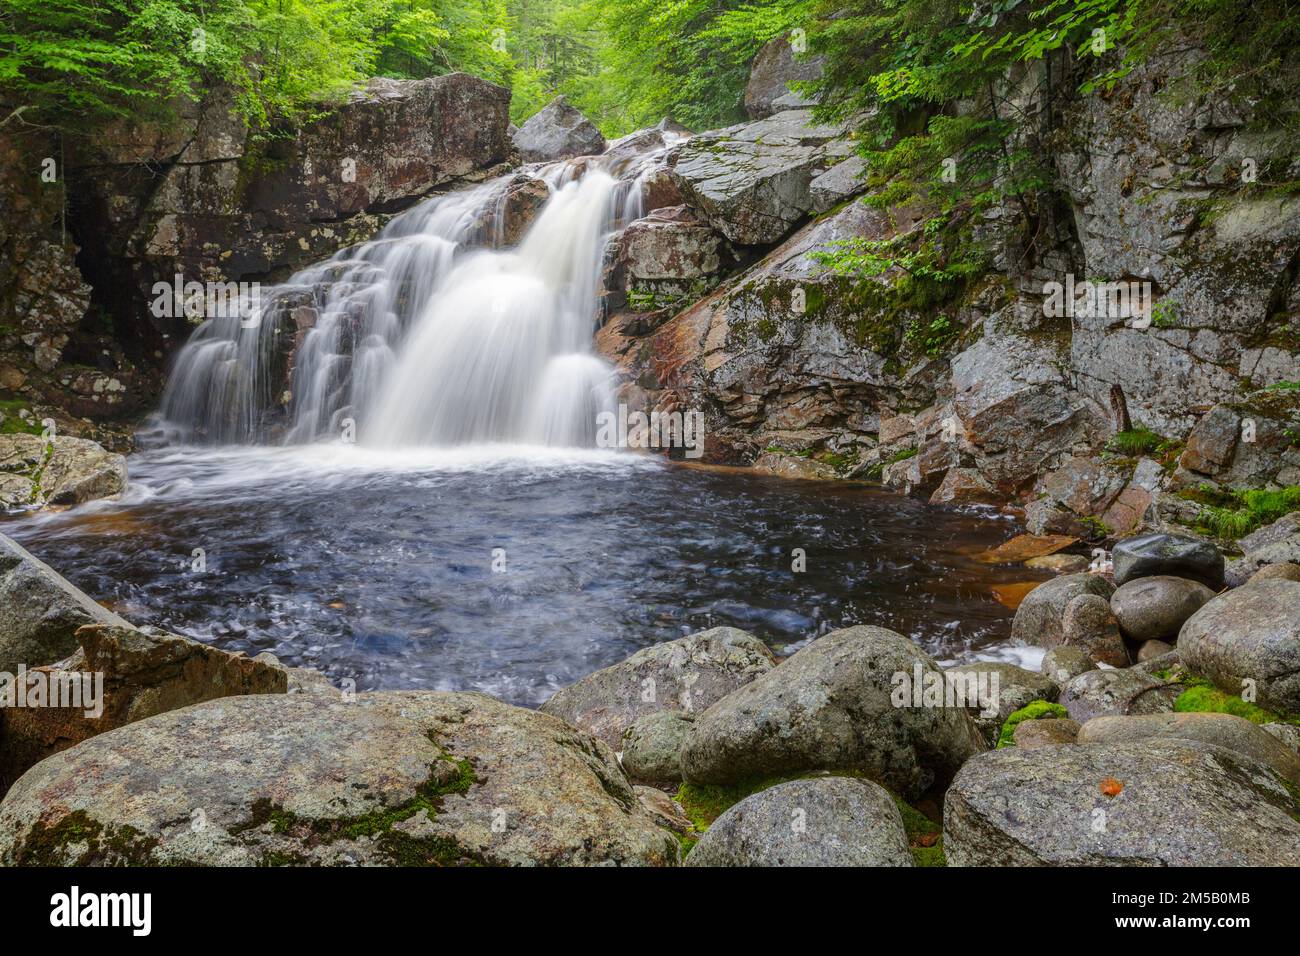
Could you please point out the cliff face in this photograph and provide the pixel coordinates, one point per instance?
(202, 199)
(794, 362)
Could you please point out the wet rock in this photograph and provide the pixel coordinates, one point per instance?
(667, 257)
(40, 611)
(847, 702)
(688, 674)
(652, 745)
(558, 131)
(1030, 734)
(823, 821)
(411, 778)
(1223, 730)
(1088, 623)
(143, 673)
(1041, 614)
(961, 486)
(1154, 608)
(1060, 563)
(1151, 650)
(1153, 555)
(792, 466)
(1249, 638)
(775, 67)
(1165, 803)
(998, 691)
(1062, 664)
(59, 471)
(1100, 693)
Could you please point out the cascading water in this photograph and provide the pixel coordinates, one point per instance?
(431, 334)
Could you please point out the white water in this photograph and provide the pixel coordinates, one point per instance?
(429, 335)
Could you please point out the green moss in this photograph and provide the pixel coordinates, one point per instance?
(13, 422)
(48, 845)
(921, 830)
(878, 469)
(1135, 441)
(1203, 697)
(1034, 710)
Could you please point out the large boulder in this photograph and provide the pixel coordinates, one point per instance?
(1150, 555)
(823, 821)
(40, 611)
(1099, 693)
(1040, 615)
(776, 65)
(1249, 638)
(1151, 802)
(61, 470)
(1154, 608)
(854, 700)
(667, 257)
(1089, 624)
(131, 674)
(558, 131)
(410, 778)
(1222, 730)
(688, 675)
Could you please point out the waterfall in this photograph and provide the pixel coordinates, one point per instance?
(433, 333)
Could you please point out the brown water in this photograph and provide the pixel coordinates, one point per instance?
(380, 567)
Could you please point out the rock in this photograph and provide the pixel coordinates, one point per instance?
(753, 181)
(1154, 608)
(558, 131)
(1179, 803)
(1286, 571)
(688, 674)
(831, 706)
(1249, 634)
(1222, 730)
(142, 674)
(774, 68)
(61, 471)
(40, 611)
(1001, 689)
(411, 778)
(837, 184)
(1276, 543)
(823, 821)
(1061, 664)
(651, 746)
(1060, 563)
(1039, 618)
(666, 257)
(1211, 443)
(792, 466)
(1047, 732)
(1288, 734)
(1026, 546)
(1151, 555)
(963, 486)
(663, 809)
(1099, 693)
(1150, 650)
(1088, 623)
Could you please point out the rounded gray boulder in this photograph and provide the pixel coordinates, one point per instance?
(1040, 615)
(1155, 608)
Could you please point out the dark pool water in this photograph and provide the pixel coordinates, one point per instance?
(379, 568)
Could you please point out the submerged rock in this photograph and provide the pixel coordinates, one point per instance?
(410, 778)
(1249, 638)
(1167, 554)
(836, 705)
(823, 821)
(40, 611)
(557, 131)
(687, 675)
(1146, 803)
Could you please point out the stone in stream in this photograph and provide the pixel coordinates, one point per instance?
(1062, 664)
(1089, 624)
(1050, 732)
(1154, 608)
(854, 700)
(688, 674)
(59, 471)
(1125, 691)
(1001, 689)
(557, 131)
(40, 611)
(652, 745)
(1222, 730)
(1152, 802)
(403, 777)
(822, 821)
(1166, 554)
(1060, 563)
(1039, 618)
(1249, 639)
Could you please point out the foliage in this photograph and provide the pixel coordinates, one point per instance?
(1134, 442)
(1246, 510)
(1034, 710)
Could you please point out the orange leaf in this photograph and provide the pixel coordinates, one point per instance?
(1111, 787)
